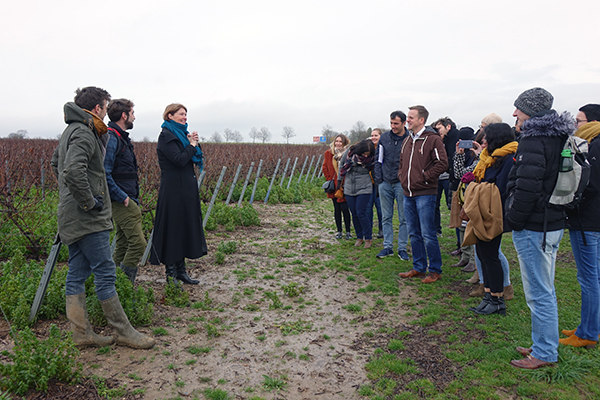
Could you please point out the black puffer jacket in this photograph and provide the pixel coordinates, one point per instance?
(387, 157)
(534, 173)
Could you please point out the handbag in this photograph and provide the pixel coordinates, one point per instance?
(329, 186)
(339, 194)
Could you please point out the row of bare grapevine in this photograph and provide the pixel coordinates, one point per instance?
(26, 179)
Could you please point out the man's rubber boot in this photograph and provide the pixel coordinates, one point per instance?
(131, 272)
(126, 335)
(83, 334)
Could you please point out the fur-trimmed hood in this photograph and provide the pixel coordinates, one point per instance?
(549, 124)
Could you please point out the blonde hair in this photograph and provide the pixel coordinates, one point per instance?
(345, 142)
(172, 109)
(492, 118)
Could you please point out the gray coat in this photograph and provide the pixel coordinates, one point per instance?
(78, 163)
(358, 180)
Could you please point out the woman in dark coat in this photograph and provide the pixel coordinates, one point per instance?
(178, 232)
(495, 162)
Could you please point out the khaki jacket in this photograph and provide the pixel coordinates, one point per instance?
(483, 206)
(78, 163)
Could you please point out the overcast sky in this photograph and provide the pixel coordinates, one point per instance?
(238, 64)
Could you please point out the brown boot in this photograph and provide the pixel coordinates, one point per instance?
(474, 278)
(368, 243)
(126, 334)
(83, 335)
(478, 292)
(509, 292)
(412, 273)
(358, 242)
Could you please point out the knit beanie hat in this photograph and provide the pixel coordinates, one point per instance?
(534, 100)
(492, 118)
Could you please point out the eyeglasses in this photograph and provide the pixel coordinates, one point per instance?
(579, 121)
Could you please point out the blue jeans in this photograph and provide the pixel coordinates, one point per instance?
(92, 254)
(388, 192)
(420, 211)
(503, 262)
(537, 272)
(359, 207)
(375, 201)
(587, 259)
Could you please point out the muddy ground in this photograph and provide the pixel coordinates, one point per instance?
(315, 346)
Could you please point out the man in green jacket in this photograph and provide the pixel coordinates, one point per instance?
(84, 219)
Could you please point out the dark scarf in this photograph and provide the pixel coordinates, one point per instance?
(181, 132)
(353, 160)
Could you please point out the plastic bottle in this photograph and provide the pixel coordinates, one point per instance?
(566, 163)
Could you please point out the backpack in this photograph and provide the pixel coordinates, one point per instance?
(120, 144)
(573, 175)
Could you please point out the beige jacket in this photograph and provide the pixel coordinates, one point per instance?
(483, 206)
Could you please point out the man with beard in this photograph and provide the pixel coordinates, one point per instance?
(121, 175)
(84, 221)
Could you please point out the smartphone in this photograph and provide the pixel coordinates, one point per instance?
(465, 144)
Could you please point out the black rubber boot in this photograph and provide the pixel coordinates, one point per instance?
(131, 272)
(495, 306)
(182, 274)
(487, 297)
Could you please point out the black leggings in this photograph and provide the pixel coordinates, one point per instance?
(338, 210)
(493, 275)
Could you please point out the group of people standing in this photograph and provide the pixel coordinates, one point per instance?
(97, 175)
(501, 180)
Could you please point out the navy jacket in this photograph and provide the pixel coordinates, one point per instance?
(390, 145)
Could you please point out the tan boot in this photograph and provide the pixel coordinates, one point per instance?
(478, 292)
(474, 278)
(509, 292)
(358, 242)
(83, 335)
(368, 243)
(576, 341)
(126, 335)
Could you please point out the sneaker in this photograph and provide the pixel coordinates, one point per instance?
(385, 252)
(403, 255)
(339, 235)
(348, 236)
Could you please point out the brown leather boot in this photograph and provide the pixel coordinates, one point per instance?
(368, 243)
(509, 292)
(474, 278)
(358, 242)
(478, 292)
(412, 273)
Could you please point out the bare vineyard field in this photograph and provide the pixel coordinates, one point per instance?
(28, 185)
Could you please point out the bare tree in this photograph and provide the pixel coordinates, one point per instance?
(20, 134)
(215, 137)
(236, 136)
(254, 134)
(228, 133)
(288, 132)
(264, 134)
(329, 133)
(358, 132)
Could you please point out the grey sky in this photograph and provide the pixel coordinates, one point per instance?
(237, 64)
